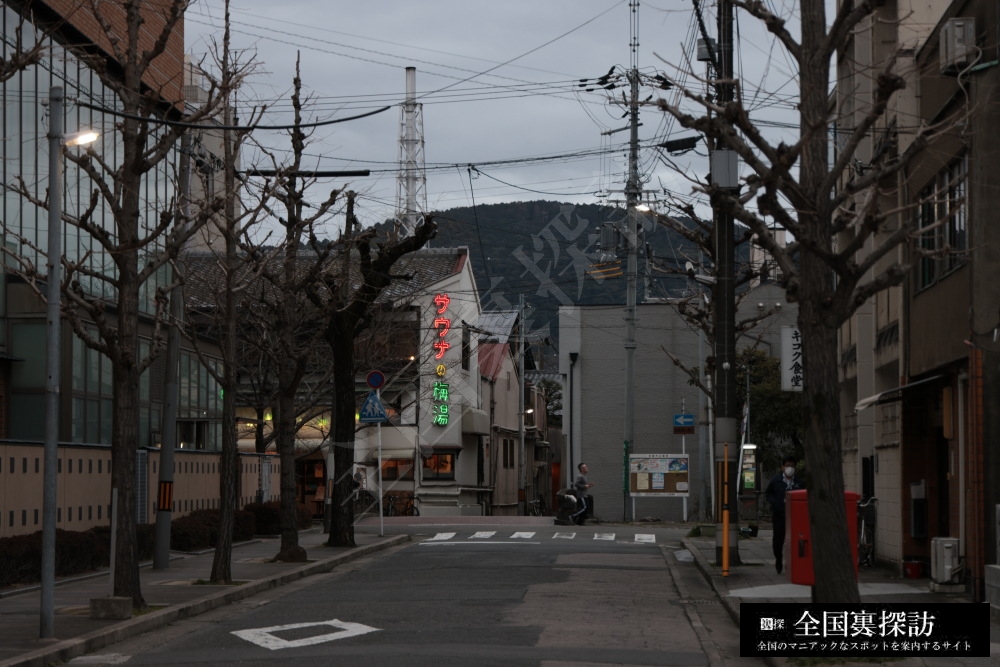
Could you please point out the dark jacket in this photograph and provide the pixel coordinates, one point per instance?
(775, 492)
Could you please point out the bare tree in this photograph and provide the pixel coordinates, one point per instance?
(697, 311)
(213, 312)
(19, 57)
(293, 275)
(108, 292)
(347, 312)
(799, 188)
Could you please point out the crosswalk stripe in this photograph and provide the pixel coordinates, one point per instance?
(522, 536)
(440, 537)
(563, 536)
(604, 536)
(645, 538)
(483, 535)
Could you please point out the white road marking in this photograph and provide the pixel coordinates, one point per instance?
(100, 659)
(522, 536)
(563, 536)
(440, 536)
(265, 638)
(469, 543)
(483, 535)
(789, 591)
(604, 536)
(645, 538)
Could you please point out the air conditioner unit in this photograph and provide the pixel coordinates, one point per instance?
(945, 563)
(958, 44)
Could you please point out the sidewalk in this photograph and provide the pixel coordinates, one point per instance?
(756, 581)
(172, 594)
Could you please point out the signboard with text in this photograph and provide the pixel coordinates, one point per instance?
(652, 475)
(791, 359)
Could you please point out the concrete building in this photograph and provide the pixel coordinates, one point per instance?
(592, 361)
(67, 29)
(919, 362)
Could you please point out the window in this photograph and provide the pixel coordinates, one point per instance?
(942, 221)
(439, 466)
(508, 453)
(394, 469)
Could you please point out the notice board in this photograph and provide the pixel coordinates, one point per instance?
(663, 475)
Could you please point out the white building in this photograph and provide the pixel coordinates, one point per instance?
(433, 449)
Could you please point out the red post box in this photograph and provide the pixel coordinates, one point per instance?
(798, 543)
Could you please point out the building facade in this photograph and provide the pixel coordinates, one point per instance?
(919, 362)
(592, 361)
(67, 29)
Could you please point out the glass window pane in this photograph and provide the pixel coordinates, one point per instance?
(27, 416)
(106, 412)
(79, 420)
(28, 341)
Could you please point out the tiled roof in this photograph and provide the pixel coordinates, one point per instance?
(497, 325)
(491, 356)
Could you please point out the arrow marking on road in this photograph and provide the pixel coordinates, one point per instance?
(265, 637)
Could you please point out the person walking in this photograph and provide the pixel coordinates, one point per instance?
(784, 481)
(581, 487)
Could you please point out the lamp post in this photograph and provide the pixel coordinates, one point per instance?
(53, 267)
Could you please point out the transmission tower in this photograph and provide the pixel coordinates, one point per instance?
(411, 182)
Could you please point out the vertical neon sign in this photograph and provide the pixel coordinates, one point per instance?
(442, 325)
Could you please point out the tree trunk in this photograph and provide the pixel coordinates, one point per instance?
(125, 433)
(818, 323)
(344, 407)
(284, 422)
(222, 571)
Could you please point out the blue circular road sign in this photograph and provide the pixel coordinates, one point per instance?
(376, 379)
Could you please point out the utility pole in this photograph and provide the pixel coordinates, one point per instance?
(725, 174)
(168, 427)
(522, 476)
(633, 193)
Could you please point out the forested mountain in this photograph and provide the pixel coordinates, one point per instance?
(547, 251)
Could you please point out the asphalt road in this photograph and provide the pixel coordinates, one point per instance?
(469, 595)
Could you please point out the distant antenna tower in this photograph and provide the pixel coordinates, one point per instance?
(411, 183)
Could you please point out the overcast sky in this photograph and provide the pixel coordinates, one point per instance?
(498, 84)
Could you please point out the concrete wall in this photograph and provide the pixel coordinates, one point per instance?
(84, 485)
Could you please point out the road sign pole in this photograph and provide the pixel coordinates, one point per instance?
(378, 438)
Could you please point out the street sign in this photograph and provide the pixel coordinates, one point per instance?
(683, 424)
(373, 412)
(375, 379)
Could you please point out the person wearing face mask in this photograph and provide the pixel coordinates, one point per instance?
(784, 481)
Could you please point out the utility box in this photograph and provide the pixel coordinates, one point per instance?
(798, 542)
(945, 563)
(957, 44)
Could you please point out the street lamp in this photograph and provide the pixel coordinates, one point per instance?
(52, 357)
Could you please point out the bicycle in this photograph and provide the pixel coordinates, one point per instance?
(867, 513)
(536, 507)
(410, 506)
(388, 506)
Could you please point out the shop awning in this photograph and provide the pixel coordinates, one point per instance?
(891, 395)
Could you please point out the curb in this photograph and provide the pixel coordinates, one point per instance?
(704, 637)
(67, 649)
(722, 591)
